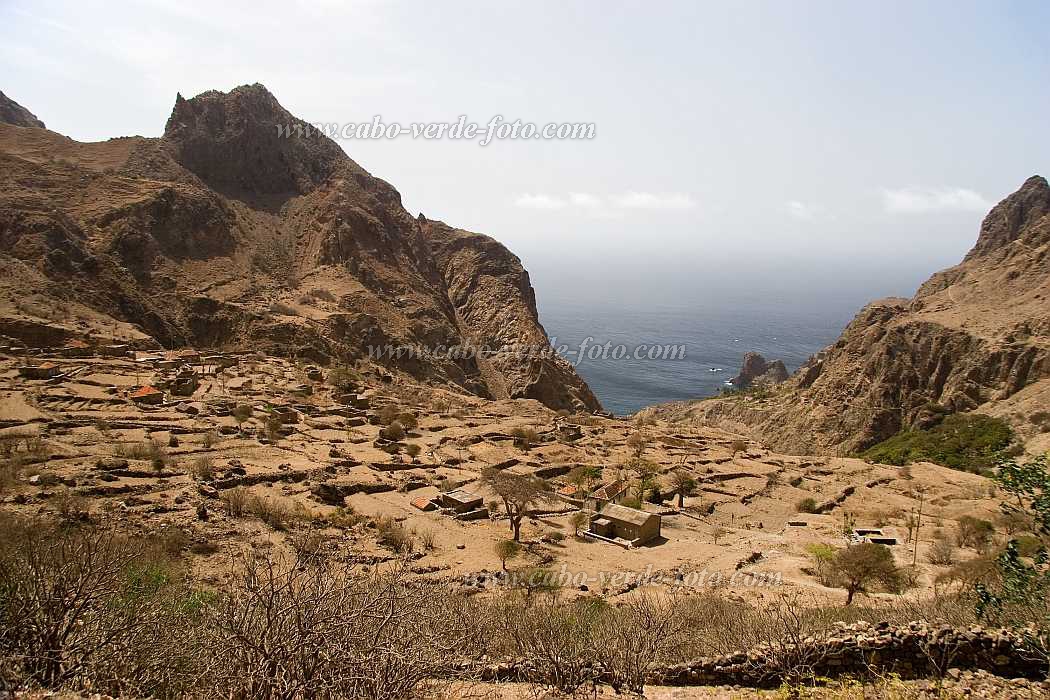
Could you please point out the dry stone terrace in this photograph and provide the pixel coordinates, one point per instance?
(321, 458)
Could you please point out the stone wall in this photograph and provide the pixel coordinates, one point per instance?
(862, 650)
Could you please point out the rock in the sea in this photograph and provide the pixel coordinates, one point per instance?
(756, 371)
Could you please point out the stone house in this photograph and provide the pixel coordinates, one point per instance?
(616, 522)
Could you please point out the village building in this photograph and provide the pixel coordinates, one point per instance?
(612, 492)
(187, 355)
(148, 395)
(45, 370)
(633, 526)
(116, 350)
(76, 348)
(461, 500)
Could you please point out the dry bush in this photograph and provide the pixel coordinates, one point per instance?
(395, 431)
(237, 501)
(942, 551)
(975, 533)
(428, 540)
(210, 439)
(314, 629)
(283, 309)
(394, 536)
(203, 467)
(87, 607)
(10, 472)
(524, 438)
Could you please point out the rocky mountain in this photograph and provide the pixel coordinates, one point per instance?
(227, 233)
(975, 337)
(13, 113)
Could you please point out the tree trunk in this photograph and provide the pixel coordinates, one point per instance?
(849, 595)
(681, 499)
(515, 523)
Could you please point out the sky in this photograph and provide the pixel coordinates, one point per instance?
(802, 150)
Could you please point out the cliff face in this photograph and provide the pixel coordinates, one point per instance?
(496, 308)
(974, 337)
(13, 113)
(226, 232)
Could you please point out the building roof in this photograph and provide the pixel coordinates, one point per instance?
(76, 343)
(614, 511)
(47, 365)
(146, 391)
(423, 503)
(606, 492)
(462, 495)
(568, 490)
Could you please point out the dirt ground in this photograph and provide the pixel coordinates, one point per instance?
(77, 440)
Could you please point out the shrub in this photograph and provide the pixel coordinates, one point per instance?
(807, 505)
(738, 446)
(968, 442)
(1029, 545)
(975, 533)
(395, 431)
(343, 378)
(524, 438)
(394, 536)
(203, 467)
(942, 551)
(413, 450)
(823, 562)
(428, 540)
(237, 500)
(210, 439)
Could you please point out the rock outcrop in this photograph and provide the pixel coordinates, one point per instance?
(13, 113)
(974, 337)
(243, 228)
(755, 371)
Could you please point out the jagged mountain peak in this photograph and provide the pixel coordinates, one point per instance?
(244, 143)
(13, 113)
(1015, 218)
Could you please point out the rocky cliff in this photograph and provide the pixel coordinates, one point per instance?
(226, 232)
(974, 337)
(13, 113)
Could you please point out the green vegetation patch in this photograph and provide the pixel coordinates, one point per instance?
(968, 442)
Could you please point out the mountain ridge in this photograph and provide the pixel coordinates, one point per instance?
(224, 233)
(974, 337)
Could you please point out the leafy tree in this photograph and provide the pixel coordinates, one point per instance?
(862, 565)
(683, 484)
(242, 413)
(506, 550)
(578, 520)
(519, 493)
(1021, 593)
(638, 442)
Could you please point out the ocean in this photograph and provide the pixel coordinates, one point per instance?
(712, 336)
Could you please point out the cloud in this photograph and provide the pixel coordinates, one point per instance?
(653, 200)
(919, 200)
(539, 201)
(607, 205)
(800, 210)
(582, 199)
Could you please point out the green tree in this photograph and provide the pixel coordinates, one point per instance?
(862, 565)
(519, 493)
(683, 484)
(506, 550)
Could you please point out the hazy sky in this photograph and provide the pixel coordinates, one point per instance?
(845, 147)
